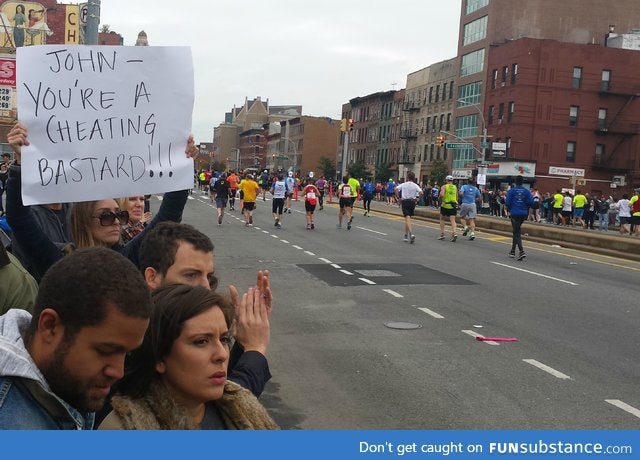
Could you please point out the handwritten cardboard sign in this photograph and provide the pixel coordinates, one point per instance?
(104, 121)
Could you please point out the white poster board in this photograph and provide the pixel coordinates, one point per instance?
(104, 121)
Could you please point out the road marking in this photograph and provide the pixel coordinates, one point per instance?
(475, 334)
(285, 241)
(297, 247)
(393, 293)
(624, 406)
(309, 252)
(263, 231)
(336, 266)
(366, 281)
(431, 313)
(372, 231)
(326, 261)
(346, 272)
(536, 274)
(275, 236)
(548, 369)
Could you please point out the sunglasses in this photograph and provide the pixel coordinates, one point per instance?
(109, 217)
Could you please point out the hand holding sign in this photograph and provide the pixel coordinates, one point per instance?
(104, 121)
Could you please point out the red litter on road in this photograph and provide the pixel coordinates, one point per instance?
(496, 339)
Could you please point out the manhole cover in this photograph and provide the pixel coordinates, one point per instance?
(401, 325)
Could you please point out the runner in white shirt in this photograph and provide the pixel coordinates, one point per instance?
(409, 193)
(279, 191)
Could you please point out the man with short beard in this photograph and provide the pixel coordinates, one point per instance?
(57, 366)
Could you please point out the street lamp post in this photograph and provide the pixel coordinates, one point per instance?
(484, 126)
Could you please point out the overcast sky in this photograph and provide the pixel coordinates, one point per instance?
(318, 54)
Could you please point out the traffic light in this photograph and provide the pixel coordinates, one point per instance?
(343, 125)
(351, 124)
(440, 141)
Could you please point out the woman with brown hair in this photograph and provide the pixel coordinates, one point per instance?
(92, 223)
(177, 379)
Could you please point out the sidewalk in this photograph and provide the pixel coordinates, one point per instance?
(609, 243)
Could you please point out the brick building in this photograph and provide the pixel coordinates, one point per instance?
(569, 110)
(487, 23)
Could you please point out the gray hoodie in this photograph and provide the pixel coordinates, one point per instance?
(26, 401)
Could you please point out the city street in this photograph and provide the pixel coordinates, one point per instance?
(337, 363)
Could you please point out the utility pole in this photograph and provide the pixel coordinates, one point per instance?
(345, 149)
(93, 21)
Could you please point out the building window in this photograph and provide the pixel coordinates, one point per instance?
(428, 123)
(573, 115)
(514, 73)
(500, 112)
(469, 94)
(577, 77)
(431, 150)
(475, 5)
(475, 31)
(505, 72)
(437, 93)
(467, 126)
(571, 152)
(602, 119)
(606, 80)
(472, 63)
(512, 107)
(451, 90)
(433, 123)
(599, 158)
(448, 128)
(441, 122)
(444, 91)
(491, 114)
(494, 78)
(430, 95)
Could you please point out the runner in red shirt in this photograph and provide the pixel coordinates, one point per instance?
(311, 194)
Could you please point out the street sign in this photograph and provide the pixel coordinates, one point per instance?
(457, 145)
(485, 145)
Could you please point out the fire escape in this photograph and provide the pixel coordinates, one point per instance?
(409, 133)
(620, 159)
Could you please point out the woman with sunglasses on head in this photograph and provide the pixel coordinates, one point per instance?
(92, 223)
(138, 218)
(177, 379)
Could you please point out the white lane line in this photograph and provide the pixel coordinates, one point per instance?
(326, 261)
(372, 231)
(475, 334)
(346, 272)
(285, 241)
(257, 228)
(548, 369)
(393, 293)
(431, 313)
(366, 281)
(297, 247)
(624, 406)
(275, 236)
(309, 252)
(264, 231)
(536, 274)
(336, 266)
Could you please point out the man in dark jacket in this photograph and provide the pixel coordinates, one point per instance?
(518, 201)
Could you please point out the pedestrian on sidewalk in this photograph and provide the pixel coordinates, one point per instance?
(518, 202)
(603, 213)
(449, 207)
(579, 204)
(634, 202)
(409, 193)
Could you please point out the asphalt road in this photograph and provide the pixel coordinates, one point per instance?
(337, 364)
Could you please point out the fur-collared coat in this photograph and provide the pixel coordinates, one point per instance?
(239, 408)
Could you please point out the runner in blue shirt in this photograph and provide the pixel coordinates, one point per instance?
(468, 210)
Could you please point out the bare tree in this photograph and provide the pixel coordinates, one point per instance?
(105, 28)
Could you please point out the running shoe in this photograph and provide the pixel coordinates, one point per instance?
(406, 238)
(349, 225)
(219, 220)
(312, 226)
(441, 237)
(454, 238)
(465, 231)
(275, 224)
(472, 236)
(412, 238)
(250, 220)
(522, 255)
(512, 253)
